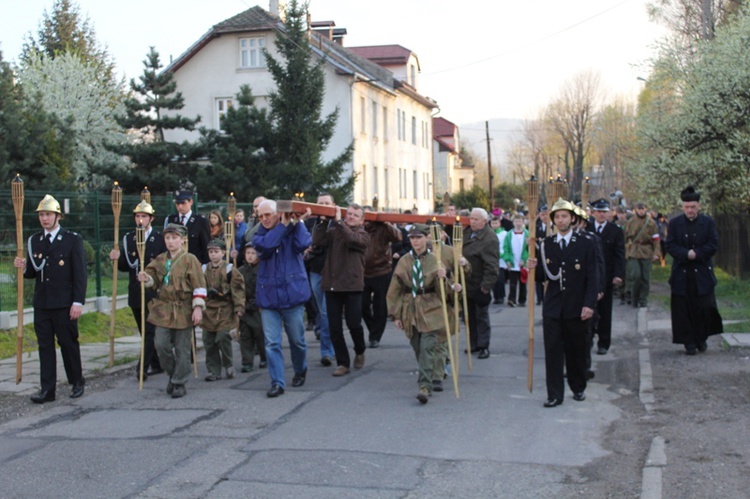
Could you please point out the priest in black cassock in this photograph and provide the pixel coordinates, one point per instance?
(692, 240)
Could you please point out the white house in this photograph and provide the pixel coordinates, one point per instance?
(380, 109)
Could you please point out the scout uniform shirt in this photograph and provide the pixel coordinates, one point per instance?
(180, 286)
(230, 288)
(424, 311)
(641, 242)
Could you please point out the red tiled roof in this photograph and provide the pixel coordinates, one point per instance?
(442, 127)
(384, 54)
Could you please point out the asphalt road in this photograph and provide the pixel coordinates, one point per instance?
(365, 435)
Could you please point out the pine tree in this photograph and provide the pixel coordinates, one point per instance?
(298, 134)
(65, 31)
(155, 161)
(237, 150)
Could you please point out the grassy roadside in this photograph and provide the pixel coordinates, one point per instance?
(92, 328)
(732, 296)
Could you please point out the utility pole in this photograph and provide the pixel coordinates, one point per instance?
(489, 164)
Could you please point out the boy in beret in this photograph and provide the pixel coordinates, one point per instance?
(414, 303)
(180, 287)
(252, 339)
(224, 303)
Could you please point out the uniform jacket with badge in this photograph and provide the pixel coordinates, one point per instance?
(702, 237)
(282, 278)
(344, 270)
(613, 248)
(572, 276)
(423, 312)
(60, 269)
(639, 240)
(179, 284)
(483, 254)
(129, 262)
(199, 234)
(225, 288)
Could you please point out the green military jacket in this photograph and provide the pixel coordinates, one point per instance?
(226, 295)
(640, 242)
(425, 311)
(180, 286)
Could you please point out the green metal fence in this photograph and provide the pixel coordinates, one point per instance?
(89, 214)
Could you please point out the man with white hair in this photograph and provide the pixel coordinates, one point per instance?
(282, 290)
(482, 249)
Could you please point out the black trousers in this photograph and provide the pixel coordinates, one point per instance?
(603, 327)
(347, 305)
(565, 346)
(374, 305)
(51, 323)
(479, 324)
(151, 359)
(498, 292)
(515, 282)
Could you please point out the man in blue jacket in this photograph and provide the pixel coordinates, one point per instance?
(282, 290)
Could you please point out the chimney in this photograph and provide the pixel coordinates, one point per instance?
(273, 7)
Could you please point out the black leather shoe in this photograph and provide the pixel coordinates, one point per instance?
(43, 396)
(299, 379)
(437, 385)
(590, 375)
(77, 390)
(374, 343)
(170, 388)
(601, 351)
(690, 349)
(579, 397)
(275, 391)
(552, 403)
(702, 346)
(483, 354)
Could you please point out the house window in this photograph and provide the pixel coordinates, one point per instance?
(251, 52)
(385, 123)
(461, 185)
(362, 121)
(398, 123)
(413, 75)
(403, 126)
(374, 181)
(365, 191)
(414, 130)
(374, 119)
(385, 185)
(414, 187)
(220, 109)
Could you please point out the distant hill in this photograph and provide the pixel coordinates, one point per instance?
(502, 132)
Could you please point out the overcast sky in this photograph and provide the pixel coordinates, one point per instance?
(479, 59)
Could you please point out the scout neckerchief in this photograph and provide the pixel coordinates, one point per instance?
(168, 267)
(417, 277)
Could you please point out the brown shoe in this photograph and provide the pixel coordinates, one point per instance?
(341, 371)
(359, 361)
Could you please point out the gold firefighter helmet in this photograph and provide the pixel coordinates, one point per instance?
(562, 204)
(49, 204)
(580, 212)
(144, 207)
